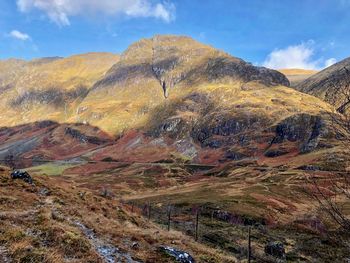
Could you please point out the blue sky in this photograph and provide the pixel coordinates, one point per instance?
(274, 33)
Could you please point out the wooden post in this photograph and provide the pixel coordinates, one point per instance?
(169, 217)
(149, 211)
(249, 245)
(197, 223)
(132, 207)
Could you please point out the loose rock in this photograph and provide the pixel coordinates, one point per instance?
(275, 249)
(178, 255)
(22, 176)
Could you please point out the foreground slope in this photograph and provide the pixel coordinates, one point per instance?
(331, 85)
(53, 221)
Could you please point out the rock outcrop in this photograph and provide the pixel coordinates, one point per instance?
(275, 249)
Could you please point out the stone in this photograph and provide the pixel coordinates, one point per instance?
(178, 255)
(275, 249)
(22, 176)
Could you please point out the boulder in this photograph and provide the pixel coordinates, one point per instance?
(178, 255)
(22, 175)
(275, 249)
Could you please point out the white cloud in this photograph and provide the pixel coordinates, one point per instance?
(330, 62)
(60, 11)
(19, 35)
(297, 56)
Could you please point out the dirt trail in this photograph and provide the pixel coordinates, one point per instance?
(108, 252)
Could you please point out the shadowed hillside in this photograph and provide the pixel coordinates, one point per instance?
(331, 85)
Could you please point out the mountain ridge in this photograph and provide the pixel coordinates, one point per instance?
(331, 85)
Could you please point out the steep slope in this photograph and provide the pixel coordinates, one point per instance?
(331, 85)
(53, 221)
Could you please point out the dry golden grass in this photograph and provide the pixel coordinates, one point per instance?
(295, 71)
(39, 228)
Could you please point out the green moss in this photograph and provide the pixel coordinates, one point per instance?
(51, 169)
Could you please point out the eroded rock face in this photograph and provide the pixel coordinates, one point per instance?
(302, 127)
(217, 129)
(240, 134)
(275, 249)
(83, 138)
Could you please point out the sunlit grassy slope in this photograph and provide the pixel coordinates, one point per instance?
(48, 88)
(43, 223)
(296, 76)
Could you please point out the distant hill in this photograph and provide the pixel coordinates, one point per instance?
(331, 85)
(295, 76)
(48, 88)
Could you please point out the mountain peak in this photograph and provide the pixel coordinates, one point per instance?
(168, 61)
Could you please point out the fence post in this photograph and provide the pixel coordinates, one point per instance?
(249, 245)
(197, 223)
(149, 211)
(169, 217)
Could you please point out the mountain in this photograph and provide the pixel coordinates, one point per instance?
(295, 76)
(168, 93)
(331, 85)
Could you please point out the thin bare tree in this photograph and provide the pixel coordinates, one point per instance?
(333, 194)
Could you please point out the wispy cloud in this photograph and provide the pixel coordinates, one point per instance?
(59, 11)
(19, 35)
(296, 56)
